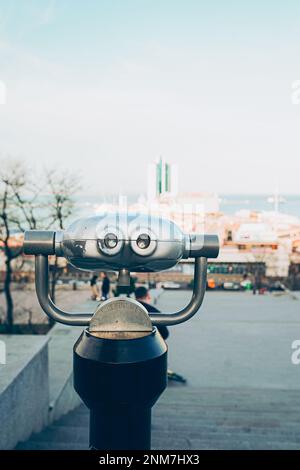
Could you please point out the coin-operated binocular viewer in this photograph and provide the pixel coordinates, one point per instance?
(120, 359)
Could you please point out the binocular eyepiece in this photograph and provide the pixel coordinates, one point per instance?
(118, 241)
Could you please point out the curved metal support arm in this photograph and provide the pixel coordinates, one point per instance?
(42, 290)
(195, 303)
(83, 319)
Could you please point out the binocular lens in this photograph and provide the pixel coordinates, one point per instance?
(143, 241)
(111, 240)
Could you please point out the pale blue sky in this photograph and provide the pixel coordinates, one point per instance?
(106, 86)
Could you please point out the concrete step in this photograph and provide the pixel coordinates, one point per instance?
(39, 445)
(191, 418)
(73, 434)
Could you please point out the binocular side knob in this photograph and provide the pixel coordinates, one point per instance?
(205, 245)
(39, 242)
(43, 242)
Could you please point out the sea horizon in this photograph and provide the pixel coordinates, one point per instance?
(229, 203)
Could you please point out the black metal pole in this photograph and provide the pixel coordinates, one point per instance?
(120, 380)
(120, 428)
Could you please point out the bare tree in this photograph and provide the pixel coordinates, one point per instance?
(23, 207)
(62, 187)
(17, 212)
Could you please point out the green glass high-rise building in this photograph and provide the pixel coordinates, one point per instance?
(162, 179)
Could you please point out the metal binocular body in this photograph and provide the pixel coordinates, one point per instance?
(121, 242)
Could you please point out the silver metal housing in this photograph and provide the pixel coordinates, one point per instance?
(111, 242)
(83, 243)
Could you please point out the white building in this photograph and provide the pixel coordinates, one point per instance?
(263, 242)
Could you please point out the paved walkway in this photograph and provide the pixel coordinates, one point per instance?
(243, 391)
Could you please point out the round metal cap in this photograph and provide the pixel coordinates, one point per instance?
(121, 314)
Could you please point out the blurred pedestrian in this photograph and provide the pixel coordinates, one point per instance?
(105, 288)
(143, 296)
(94, 288)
